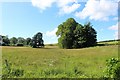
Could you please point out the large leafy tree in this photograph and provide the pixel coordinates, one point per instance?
(65, 31)
(37, 40)
(21, 40)
(13, 40)
(79, 39)
(90, 35)
(28, 40)
(74, 35)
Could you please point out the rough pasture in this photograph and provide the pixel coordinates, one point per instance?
(54, 62)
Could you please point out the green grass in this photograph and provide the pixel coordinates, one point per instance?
(110, 42)
(54, 62)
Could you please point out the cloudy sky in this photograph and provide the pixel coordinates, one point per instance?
(24, 18)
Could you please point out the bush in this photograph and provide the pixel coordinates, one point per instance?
(4, 44)
(112, 68)
(19, 44)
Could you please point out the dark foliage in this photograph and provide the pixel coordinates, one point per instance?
(13, 41)
(5, 41)
(37, 40)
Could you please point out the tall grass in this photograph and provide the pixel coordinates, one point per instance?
(54, 62)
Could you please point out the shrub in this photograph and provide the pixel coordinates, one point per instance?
(112, 68)
(4, 44)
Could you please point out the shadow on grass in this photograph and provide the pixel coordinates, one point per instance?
(100, 45)
(47, 47)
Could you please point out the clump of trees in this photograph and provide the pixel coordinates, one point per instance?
(0, 40)
(35, 42)
(4, 40)
(20, 41)
(74, 35)
(13, 41)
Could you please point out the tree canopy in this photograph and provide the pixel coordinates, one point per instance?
(5, 41)
(28, 40)
(13, 41)
(74, 35)
(37, 40)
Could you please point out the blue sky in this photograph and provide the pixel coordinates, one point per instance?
(24, 19)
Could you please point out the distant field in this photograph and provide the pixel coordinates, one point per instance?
(54, 62)
(110, 42)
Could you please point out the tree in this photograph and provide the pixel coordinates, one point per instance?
(79, 39)
(13, 41)
(21, 41)
(28, 40)
(89, 35)
(74, 35)
(0, 40)
(37, 40)
(65, 31)
(5, 41)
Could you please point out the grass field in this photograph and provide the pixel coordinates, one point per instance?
(53, 62)
(110, 43)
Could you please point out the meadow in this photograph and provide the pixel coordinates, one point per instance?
(52, 62)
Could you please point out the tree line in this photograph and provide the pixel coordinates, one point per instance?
(35, 41)
(71, 35)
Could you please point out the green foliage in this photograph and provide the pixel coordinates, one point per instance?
(21, 40)
(5, 41)
(89, 35)
(28, 40)
(65, 31)
(108, 43)
(9, 72)
(112, 68)
(37, 41)
(74, 35)
(13, 41)
(60, 63)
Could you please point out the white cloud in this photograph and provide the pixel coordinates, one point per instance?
(51, 33)
(42, 4)
(115, 27)
(115, 18)
(98, 10)
(14, 0)
(61, 3)
(69, 9)
(116, 35)
(51, 36)
(65, 6)
(116, 0)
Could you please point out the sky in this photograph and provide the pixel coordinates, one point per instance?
(24, 18)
